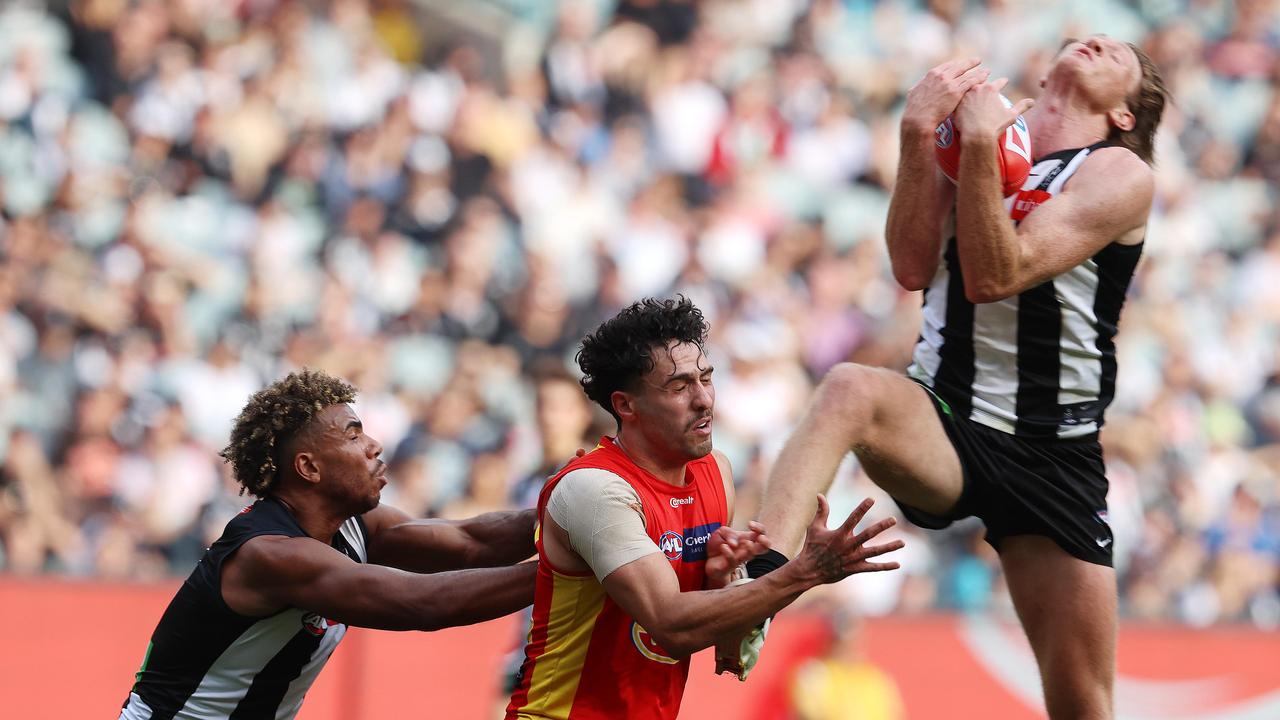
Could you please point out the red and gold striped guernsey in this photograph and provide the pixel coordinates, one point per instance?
(585, 658)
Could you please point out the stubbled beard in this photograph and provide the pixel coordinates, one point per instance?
(701, 448)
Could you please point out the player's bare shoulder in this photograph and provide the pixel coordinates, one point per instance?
(722, 462)
(1117, 172)
(250, 575)
(1116, 189)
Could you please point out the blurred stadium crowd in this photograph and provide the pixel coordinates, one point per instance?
(200, 195)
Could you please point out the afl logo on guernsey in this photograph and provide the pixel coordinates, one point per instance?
(649, 647)
(317, 624)
(672, 544)
(690, 545)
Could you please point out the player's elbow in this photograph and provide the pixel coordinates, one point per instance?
(980, 293)
(434, 619)
(437, 613)
(911, 279)
(676, 642)
(911, 272)
(679, 645)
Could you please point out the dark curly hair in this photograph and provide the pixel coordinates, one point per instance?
(620, 351)
(274, 416)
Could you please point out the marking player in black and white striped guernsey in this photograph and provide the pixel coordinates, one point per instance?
(1015, 365)
(251, 628)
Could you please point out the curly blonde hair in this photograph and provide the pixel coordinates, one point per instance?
(272, 417)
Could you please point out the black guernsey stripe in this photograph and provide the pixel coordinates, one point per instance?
(272, 682)
(954, 379)
(1116, 264)
(1039, 335)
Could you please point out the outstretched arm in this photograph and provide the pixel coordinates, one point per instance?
(683, 623)
(269, 573)
(488, 540)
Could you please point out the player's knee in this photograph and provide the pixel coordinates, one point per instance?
(1078, 690)
(1079, 701)
(848, 395)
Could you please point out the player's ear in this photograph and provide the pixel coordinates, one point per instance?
(305, 467)
(1122, 118)
(623, 404)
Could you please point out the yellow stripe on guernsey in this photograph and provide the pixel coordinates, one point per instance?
(575, 602)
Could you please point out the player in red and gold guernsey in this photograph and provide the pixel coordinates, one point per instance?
(635, 553)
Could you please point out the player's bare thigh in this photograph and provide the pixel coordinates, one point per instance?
(900, 441)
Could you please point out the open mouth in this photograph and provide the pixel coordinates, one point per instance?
(703, 427)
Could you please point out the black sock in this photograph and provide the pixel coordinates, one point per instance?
(765, 563)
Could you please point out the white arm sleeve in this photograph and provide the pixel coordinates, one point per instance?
(602, 514)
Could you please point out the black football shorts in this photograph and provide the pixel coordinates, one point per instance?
(1020, 486)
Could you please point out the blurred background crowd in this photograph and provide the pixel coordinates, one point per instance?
(435, 200)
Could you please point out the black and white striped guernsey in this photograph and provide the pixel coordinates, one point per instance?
(207, 662)
(1040, 364)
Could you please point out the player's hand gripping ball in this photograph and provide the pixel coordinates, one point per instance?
(1014, 152)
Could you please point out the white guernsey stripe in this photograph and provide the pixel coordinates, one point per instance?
(1055, 187)
(225, 683)
(292, 700)
(135, 709)
(1080, 375)
(355, 538)
(925, 363)
(925, 360)
(995, 354)
(1080, 378)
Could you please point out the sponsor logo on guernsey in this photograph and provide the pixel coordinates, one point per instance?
(1026, 201)
(649, 647)
(677, 502)
(695, 542)
(317, 624)
(672, 544)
